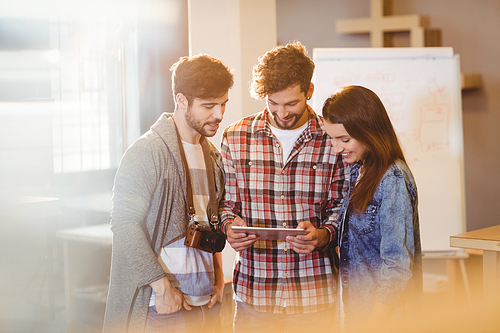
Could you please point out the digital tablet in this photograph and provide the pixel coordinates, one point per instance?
(269, 233)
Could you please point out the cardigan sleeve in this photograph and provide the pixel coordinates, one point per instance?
(135, 184)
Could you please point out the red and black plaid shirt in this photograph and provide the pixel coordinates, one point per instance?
(266, 193)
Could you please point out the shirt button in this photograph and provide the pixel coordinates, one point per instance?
(282, 197)
(285, 249)
(286, 274)
(284, 224)
(282, 171)
(277, 145)
(250, 163)
(314, 167)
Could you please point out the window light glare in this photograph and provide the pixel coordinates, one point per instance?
(53, 56)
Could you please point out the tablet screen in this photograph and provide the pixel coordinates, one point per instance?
(269, 233)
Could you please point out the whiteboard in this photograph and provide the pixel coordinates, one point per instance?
(420, 89)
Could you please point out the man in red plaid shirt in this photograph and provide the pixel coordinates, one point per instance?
(281, 171)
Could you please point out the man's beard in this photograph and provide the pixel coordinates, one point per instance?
(287, 125)
(198, 126)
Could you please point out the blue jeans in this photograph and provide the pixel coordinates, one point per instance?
(198, 319)
(249, 320)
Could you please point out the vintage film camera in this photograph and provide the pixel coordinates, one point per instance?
(204, 238)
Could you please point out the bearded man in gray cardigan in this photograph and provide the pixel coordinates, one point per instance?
(157, 283)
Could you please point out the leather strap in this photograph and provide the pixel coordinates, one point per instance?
(213, 204)
(212, 196)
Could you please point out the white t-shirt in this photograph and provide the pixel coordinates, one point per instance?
(287, 138)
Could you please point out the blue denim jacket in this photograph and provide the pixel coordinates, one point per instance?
(380, 255)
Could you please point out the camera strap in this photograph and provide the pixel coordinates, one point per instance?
(212, 196)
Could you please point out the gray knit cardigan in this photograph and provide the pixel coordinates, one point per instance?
(149, 211)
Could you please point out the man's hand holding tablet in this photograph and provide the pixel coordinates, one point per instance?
(303, 240)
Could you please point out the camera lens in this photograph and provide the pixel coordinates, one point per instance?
(212, 241)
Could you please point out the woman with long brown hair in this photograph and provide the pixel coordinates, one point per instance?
(380, 273)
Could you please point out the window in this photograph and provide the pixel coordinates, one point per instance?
(88, 90)
(74, 76)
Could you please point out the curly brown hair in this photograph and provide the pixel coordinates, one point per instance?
(200, 76)
(281, 68)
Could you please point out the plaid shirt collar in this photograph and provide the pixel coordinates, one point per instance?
(314, 127)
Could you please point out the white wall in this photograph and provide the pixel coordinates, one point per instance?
(237, 32)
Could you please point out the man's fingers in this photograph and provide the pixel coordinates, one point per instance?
(186, 305)
(213, 300)
(240, 245)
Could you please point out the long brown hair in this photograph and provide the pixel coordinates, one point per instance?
(365, 119)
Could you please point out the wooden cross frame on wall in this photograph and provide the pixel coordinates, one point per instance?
(381, 26)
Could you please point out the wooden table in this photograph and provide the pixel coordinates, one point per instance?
(488, 240)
